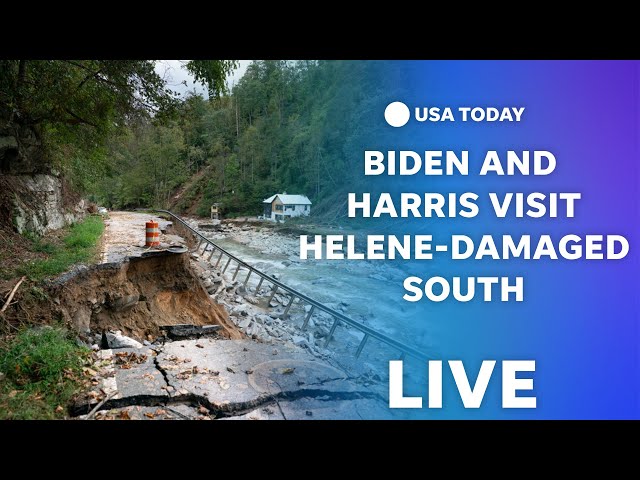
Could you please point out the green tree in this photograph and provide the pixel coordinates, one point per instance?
(285, 126)
(53, 108)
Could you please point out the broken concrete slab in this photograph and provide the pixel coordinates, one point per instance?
(244, 379)
(137, 377)
(185, 331)
(117, 340)
(235, 375)
(125, 377)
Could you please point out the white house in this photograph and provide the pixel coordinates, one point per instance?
(282, 205)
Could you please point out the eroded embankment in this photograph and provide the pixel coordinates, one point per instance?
(137, 297)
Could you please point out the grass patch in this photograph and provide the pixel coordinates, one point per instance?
(43, 371)
(44, 247)
(78, 245)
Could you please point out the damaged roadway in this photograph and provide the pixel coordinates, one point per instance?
(225, 379)
(138, 290)
(205, 377)
(124, 236)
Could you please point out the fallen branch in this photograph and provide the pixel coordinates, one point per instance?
(13, 292)
(97, 407)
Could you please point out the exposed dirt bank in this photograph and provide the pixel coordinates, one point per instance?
(137, 297)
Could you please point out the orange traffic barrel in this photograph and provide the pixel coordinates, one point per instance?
(152, 238)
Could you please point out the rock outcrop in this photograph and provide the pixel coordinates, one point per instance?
(38, 203)
(32, 196)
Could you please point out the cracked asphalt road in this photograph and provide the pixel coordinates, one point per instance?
(216, 378)
(229, 379)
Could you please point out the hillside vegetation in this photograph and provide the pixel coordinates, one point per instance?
(286, 126)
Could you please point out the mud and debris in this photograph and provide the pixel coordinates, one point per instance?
(137, 297)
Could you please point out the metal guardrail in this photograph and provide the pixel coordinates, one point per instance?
(338, 317)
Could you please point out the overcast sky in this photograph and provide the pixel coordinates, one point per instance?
(175, 74)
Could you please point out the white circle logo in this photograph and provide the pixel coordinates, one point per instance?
(397, 114)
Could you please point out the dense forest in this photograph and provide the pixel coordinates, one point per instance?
(285, 126)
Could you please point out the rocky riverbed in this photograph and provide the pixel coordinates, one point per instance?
(347, 287)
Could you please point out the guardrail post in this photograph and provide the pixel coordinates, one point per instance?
(333, 329)
(362, 343)
(219, 258)
(247, 279)
(308, 317)
(286, 310)
(227, 264)
(259, 285)
(213, 250)
(273, 293)
(236, 274)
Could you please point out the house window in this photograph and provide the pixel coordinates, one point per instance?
(289, 207)
(278, 208)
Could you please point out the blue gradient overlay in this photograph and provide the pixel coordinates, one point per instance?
(579, 319)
